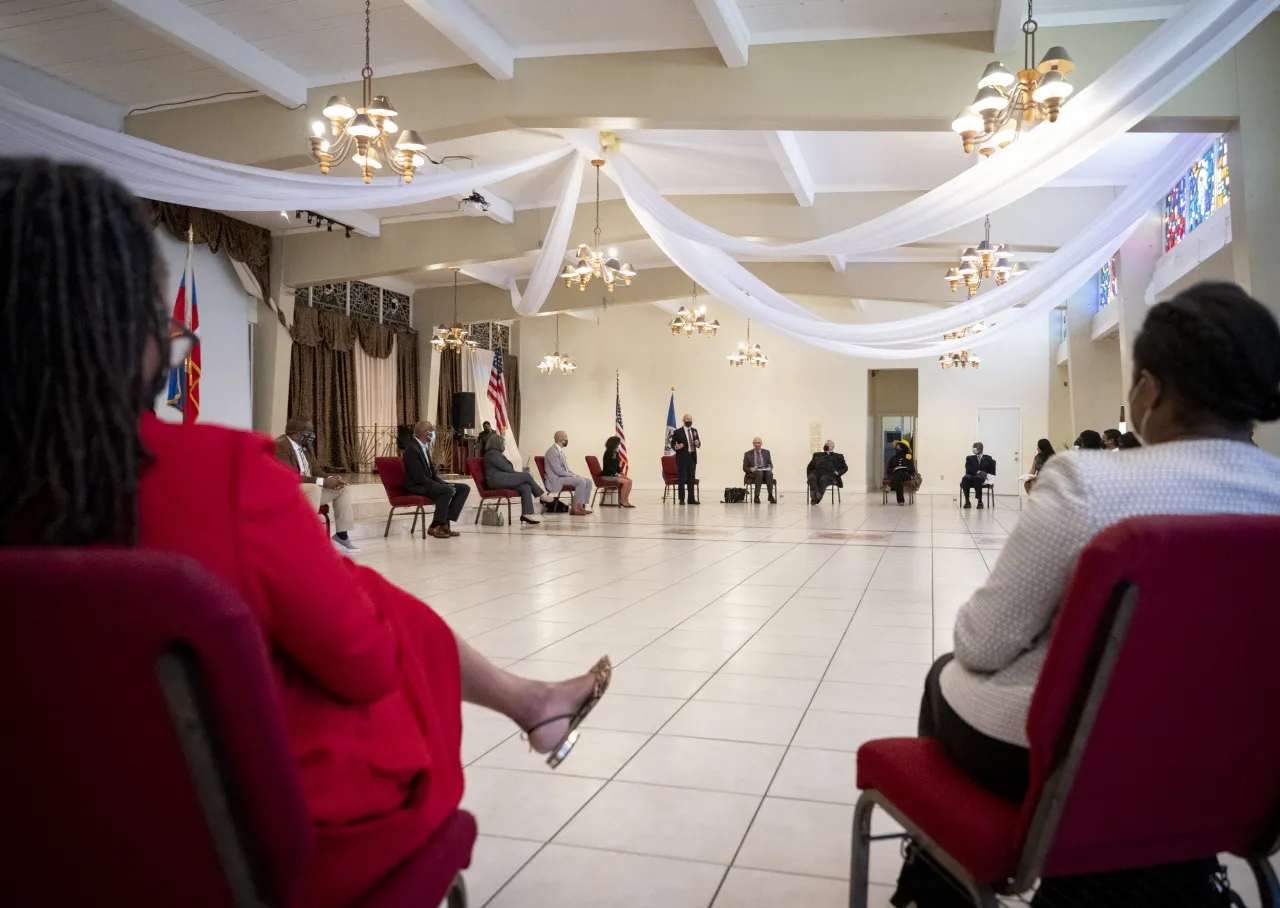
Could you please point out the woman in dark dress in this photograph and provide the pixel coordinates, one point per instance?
(900, 469)
(611, 468)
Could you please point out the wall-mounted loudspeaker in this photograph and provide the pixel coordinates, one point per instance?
(463, 411)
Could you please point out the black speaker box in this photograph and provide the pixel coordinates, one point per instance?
(463, 412)
(404, 432)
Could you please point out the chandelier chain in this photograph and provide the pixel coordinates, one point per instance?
(367, 72)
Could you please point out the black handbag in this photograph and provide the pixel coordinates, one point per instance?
(735, 496)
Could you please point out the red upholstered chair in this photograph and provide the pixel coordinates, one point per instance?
(391, 472)
(542, 471)
(603, 487)
(143, 720)
(324, 512)
(1153, 728)
(670, 477)
(488, 496)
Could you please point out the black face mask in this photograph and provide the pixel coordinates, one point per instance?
(688, 423)
(307, 439)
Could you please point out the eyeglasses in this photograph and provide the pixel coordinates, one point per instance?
(182, 343)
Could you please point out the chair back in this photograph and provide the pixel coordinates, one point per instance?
(669, 472)
(593, 467)
(1153, 729)
(542, 467)
(146, 749)
(475, 467)
(391, 472)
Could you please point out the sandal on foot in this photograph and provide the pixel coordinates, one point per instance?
(602, 672)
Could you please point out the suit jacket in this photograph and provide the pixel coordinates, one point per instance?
(419, 472)
(496, 464)
(557, 468)
(367, 674)
(749, 460)
(984, 464)
(287, 456)
(827, 463)
(681, 437)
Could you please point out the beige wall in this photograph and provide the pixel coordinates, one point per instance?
(894, 392)
(1096, 388)
(272, 348)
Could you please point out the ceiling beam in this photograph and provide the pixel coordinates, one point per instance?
(837, 261)
(499, 210)
(177, 23)
(1006, 30)
(365, 223)
(470, 32)
(54, 94)
(786, 151)
(728, 29)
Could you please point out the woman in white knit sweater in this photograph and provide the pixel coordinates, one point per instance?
(1206, 368)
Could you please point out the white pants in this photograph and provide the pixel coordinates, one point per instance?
(336, 499)
(581, 486)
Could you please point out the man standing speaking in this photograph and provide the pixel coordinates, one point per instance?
(685, 442)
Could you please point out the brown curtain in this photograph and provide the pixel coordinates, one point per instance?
(376, 339)
(408, 377)
(322, 384)
(450, 381)
(511, 374)
(244, 242)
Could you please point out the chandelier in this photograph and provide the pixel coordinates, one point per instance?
(982, 262)
(748, 353)
(593, 261)
(366, 131)
(454, 338)
(693, 319)
(962, 359)
(1007, 104)
(557, 362)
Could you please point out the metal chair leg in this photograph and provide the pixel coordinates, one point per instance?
(508, 500)
(860, 873)
(594, 493)
(387, 531)
(479, 508)
(457, 897)
(414, 526)
(423, 513)
(1268, 885)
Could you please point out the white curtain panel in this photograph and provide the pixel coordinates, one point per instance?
(477, 365)
(168, 175)
(1180, 49)
(375, 388)
(550, 258)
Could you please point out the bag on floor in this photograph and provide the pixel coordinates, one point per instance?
(490, 517)
(555, 507)
(735, 496)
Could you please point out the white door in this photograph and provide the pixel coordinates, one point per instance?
(1000, 431)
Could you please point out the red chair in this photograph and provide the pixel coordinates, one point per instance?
(391, 472)
(324, 512)
(1153, 729)
(670, 477)
(144, 723)
(542, 471)
(488, 496)
(603, 487)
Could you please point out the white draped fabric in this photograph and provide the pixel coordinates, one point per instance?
(1150, 74)
(168, 175)
(547, 268)
(476, 367)
(375, 388)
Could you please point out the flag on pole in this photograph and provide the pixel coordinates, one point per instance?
(671, 425)
(617, 423)
(184, 380)
(498, 393)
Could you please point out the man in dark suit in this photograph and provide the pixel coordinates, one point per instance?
(757, 464)
(296, 450)
(685, 442)
(977, 467)
(824, 470)
(421, 478)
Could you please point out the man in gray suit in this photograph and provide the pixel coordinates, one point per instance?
(560, 477)
(758, 465)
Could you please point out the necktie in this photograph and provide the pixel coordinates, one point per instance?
(759, 462)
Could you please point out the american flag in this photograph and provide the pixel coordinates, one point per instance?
(617, 424)
(498, 393)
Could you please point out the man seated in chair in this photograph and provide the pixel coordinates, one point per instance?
(977, 467)
(422, 478)
(824, 470)
(757, 464)
(296, 450)
(560, 477)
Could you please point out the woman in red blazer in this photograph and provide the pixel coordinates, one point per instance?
(371, 678)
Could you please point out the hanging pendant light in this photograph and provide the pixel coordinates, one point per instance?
(982, 262)
(748, 354)
(692, 320)
(557, 362)
(456, 337)
(595, 261)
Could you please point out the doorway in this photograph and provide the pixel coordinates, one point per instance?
(1000, 431)
(892, 415)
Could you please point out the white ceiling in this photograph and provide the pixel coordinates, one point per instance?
(122, 57)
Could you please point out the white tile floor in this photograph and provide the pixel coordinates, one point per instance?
(756, 648)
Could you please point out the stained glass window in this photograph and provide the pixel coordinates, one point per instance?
(1203, 189)
(1108, 293)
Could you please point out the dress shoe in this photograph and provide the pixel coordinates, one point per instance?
(968, 504)
(756, 500)
(439, 532)
(772, 500)
(578, 511)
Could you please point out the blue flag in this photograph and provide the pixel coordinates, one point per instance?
(667, 450)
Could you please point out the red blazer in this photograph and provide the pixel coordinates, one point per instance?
(368, 674)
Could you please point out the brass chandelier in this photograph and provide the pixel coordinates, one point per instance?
(962, 359)
(363, 133)
(457, 337)
(693, 320)
(748, 354)
(983, 262)
(557, 362)
(1007, 104)
(594, 261)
